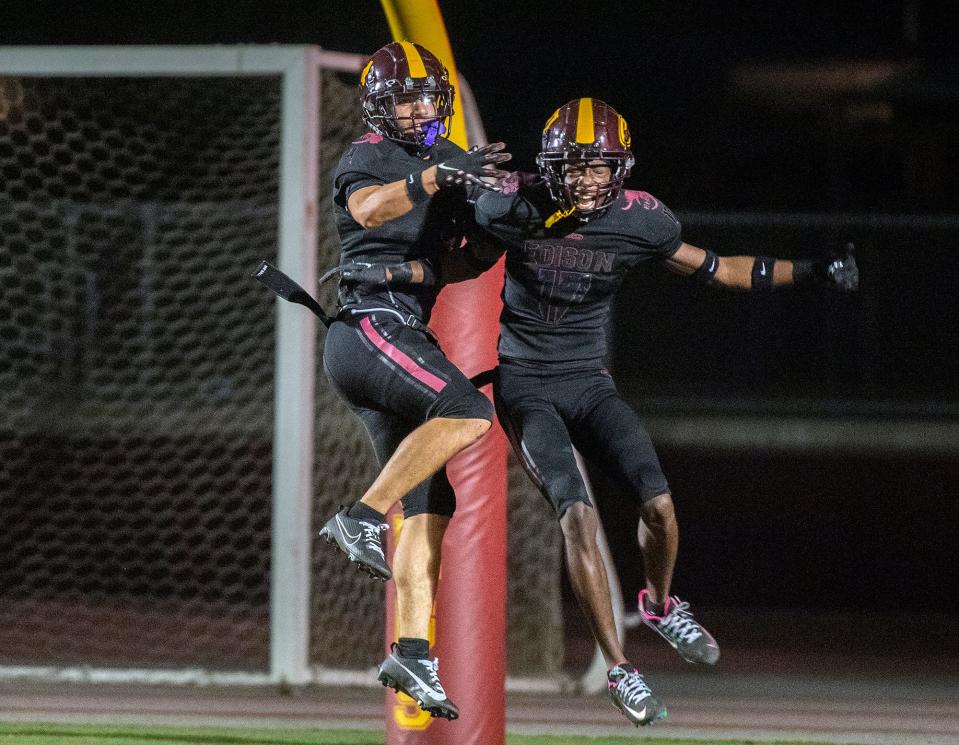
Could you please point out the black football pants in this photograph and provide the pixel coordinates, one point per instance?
(546, 413)
(396, 378)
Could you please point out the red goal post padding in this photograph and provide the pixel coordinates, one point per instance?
(470, 613)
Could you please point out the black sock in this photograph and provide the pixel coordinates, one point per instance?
(657, 609)
(361, 511)
(627, 666)
(418, 649)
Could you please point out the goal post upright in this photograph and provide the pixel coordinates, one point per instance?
(295, 378)
(470, 602)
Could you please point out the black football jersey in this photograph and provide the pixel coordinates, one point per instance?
(428, 231)
(560, 280)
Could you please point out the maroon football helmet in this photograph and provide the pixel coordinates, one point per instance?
(585, 129)
(404, 72)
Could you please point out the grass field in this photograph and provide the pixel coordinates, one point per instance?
(50, 734)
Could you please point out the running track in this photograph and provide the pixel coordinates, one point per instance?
(865, 679)
(748, 706)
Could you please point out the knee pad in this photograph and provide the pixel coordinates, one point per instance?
(656, 509)
(565, 491)
(462, 404)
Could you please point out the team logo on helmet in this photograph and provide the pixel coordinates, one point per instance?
(407, 75)
(579, 133)
(624, 133)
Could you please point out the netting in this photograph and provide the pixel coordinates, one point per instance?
(534, 623)
(344, 461)
(136, 388)
(136, 364)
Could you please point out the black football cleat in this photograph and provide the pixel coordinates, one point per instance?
(632, 696)
(361, 541)
(684, 634)
(418, 679)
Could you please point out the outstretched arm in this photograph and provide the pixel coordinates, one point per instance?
(374, 205)
(762, 272)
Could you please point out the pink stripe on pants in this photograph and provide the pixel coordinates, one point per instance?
(400, 358)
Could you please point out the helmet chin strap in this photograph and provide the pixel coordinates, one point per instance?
(582, 215)
(558, 215)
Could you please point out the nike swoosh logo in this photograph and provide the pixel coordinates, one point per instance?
(762, 270)
(445, 167)
(352, 538)
(641, 714)
(426, 689)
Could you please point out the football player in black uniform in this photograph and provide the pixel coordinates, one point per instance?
(400, 203)
(570, 237)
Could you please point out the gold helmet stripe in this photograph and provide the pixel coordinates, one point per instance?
(365, 71)
(549, 122)
(585, 131)
(417, 69)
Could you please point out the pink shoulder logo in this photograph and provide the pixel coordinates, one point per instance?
(575, 236)
(370, 138)
(643, 199)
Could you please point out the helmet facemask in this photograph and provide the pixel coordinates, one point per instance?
(571, 175)
(380, 113)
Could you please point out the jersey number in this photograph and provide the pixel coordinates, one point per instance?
(560, 290)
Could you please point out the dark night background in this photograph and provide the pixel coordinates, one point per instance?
(701, 141)
(831, 109)
(667, 67)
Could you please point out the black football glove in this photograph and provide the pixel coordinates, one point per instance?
(363, 274)
(366, 276)
(471, 167)
(843, 272)
(839, 272)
